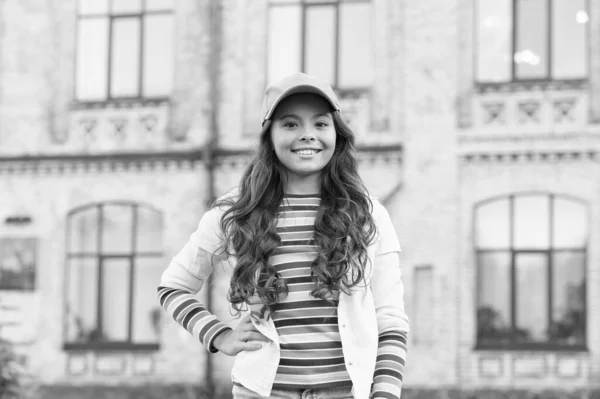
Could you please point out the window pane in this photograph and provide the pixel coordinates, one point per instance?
(92, 59)
(284, 41)
(117, 223)
(159, 5)
(83, 231)
(115, 299)
(125, 65)
(82, 298)
(356, 39)
(422, 324)
(531, 52)
(149, 230)
(158, 55)
(531, 297)
(146, 310)
(320, 43)
(17, 264)
(570, 224)
(494, 295)
(569, 39)
(492, 225)
(126, 6)
(92, 7)
(494, 40)
(568, 307)
(532, 222)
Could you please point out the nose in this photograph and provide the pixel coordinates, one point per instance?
(307, 137)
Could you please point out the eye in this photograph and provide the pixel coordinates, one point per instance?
(289, 124)
(321, 125)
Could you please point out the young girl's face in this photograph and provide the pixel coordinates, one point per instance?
(303, 135)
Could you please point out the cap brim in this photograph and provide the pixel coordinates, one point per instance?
(298, 90)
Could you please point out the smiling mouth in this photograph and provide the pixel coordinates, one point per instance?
(306, 152)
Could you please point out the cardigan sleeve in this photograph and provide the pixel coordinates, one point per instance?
(392, 321)
(185, 276)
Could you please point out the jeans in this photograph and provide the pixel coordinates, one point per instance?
(241, 392)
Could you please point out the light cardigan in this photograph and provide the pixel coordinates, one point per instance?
(372, 313)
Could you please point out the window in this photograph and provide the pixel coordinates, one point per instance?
(531, 40)
(422, 321)
(329, 39)
(531, 259)
(124, 49)
(114, 259)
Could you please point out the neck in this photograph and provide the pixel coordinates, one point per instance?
(308, 185)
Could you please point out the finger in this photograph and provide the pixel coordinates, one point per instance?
(247, 325)
(246, 322)
(256, 336)
(251, 346)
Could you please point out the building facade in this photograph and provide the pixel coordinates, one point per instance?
(476, 125)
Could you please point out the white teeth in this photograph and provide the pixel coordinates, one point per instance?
(306, 152)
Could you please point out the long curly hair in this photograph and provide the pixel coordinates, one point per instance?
(343, 227)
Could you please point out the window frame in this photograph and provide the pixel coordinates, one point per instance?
(110, 16)
(99, 257)
(304, 5)
(513, 253)
(513, 43)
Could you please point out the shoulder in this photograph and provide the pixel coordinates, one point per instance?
(378, 211)
(224, 202)
(212, 217)
(386, 232)
(228, 198)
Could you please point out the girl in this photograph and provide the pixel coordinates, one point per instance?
(315, 263)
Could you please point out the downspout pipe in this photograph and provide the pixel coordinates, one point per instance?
(215, 25)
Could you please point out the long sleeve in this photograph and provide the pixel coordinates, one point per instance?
(389, 369)
(184, 278)
(191, 315)
(392, 321)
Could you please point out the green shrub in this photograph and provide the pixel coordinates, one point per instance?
(10, 387)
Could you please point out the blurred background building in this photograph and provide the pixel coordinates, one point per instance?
(476, 124)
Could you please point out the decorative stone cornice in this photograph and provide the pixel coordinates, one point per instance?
(370, 155)
(541, 156)
(120, 103)
(531, 86)
(163, 161)
(512, 137)
(99, 163)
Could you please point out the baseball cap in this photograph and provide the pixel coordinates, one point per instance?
(293, 84)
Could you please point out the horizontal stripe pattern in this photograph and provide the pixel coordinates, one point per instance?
(311, 354)
(389, 368)
(311, 348)
(191, 315)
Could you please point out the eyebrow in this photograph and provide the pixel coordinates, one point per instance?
(297, 117)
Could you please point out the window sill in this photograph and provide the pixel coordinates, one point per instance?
(110, 347)
(119, 103)
(539, 347)
(352, 92)
(530, 85)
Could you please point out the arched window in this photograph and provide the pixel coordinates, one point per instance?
(114, 261)
(531, 265)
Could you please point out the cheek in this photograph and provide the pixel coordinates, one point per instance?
(276, 142)
(332, 139)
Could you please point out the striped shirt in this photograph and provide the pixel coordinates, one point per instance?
(311, 348)
(191, 267)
